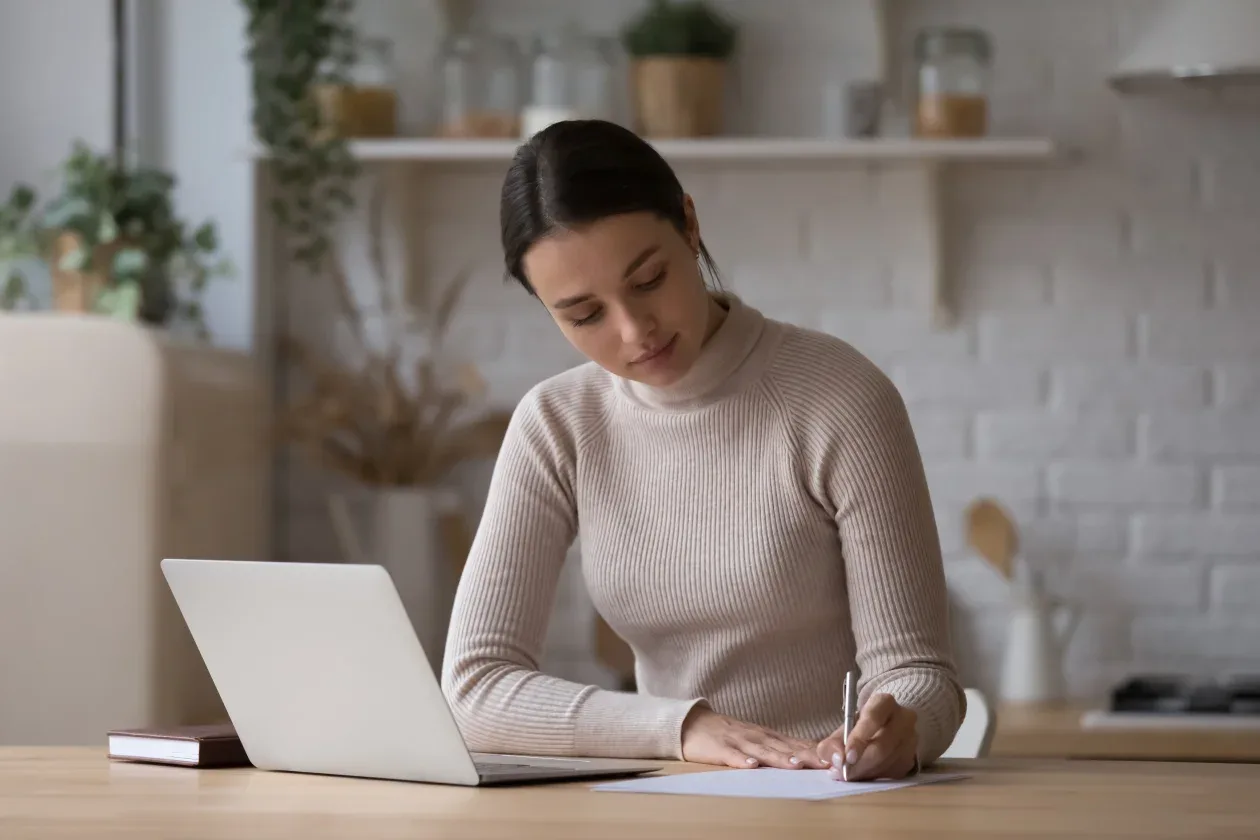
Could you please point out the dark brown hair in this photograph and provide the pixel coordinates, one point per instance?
(576, 172)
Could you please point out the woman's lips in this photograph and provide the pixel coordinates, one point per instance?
(659, 355)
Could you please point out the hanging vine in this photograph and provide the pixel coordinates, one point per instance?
(294, 47)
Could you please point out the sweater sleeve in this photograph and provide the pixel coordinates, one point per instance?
(490, 676)
(870, 470)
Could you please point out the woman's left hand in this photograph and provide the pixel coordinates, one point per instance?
(882, 745)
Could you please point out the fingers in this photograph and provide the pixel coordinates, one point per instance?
(806, 754)
(769, 749)
(888, 756)
(771, 752)
(882, 743)
(874, 715)
(830, 751)
(807, 757)
(716, 739)
(734, 755)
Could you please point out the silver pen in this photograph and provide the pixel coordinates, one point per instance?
(850, 719)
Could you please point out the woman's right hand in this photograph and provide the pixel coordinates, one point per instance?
(711, 738)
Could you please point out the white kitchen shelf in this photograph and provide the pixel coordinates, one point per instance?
(769, 149)
(918, 163)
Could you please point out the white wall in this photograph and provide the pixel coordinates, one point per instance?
(48, 103)
(1103, 380)
(201, 90)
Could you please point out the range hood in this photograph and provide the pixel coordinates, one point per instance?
(1197, 43)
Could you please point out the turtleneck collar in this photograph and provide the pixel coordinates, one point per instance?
(733, 356)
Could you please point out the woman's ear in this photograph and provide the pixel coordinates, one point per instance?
(693, 225)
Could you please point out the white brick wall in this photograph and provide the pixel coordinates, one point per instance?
(1236, 588)
(1045, 435)
(1226, 434)
(1104, 377)
(1128, 387)
(1051, 337)
(1238, 386)
(1084, 484)
(1196, 534)
(1237, 487)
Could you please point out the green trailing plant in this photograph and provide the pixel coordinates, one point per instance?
(295, 46)
(680, 28)
(114, 227)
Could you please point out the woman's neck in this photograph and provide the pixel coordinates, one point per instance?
(723, 366)
(717, 315)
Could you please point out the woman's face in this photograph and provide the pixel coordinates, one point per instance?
(627, 292)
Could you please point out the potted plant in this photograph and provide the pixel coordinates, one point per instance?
(296, 50)
(112, 242)
(679, 53)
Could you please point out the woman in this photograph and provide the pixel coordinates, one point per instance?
(753, 510)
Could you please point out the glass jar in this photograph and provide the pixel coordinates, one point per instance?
(571, 77)
(597, 80)
(617, 82)
(952, 76)
(367, 105)
(481, 87)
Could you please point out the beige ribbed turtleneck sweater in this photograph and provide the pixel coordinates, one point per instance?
(753, 531)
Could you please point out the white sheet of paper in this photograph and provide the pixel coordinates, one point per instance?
(766, 783)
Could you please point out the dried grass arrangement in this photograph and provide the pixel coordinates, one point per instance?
(384, 422)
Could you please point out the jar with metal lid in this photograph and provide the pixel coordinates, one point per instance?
(952, 77)
(482, 83)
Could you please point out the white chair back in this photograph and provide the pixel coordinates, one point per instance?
(976, 732)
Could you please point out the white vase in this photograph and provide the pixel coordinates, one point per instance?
(1039, 630)
(403, 534)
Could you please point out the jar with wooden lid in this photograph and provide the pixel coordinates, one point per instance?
(952, 73)
(367, 104)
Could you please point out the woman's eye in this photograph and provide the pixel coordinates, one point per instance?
(653, 283)
(599, 312)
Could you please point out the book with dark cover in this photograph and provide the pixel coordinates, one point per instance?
(205, 745)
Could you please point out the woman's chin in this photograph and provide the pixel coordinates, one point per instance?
(661, 370)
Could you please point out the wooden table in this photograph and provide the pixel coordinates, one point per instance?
(77, 793)
(1030, 732)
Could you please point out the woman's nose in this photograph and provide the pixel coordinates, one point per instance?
(635, 325)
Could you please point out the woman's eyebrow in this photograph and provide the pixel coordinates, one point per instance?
(642, 258)
(565, 303)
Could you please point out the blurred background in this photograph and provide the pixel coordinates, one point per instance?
(256, 308)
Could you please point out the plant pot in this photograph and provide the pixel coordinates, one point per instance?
(679, 96)
(76, 291)
(416, 534)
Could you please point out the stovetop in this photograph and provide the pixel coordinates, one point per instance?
(1165, 694)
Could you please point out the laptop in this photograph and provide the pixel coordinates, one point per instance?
(321, 671)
